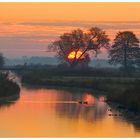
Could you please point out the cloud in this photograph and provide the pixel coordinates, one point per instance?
(105, 25)
(33, 35)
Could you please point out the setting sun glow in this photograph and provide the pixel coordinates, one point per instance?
(73, 54)
(28, 27)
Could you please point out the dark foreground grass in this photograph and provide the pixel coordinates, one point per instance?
(130, 97)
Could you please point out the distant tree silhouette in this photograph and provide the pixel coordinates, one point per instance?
(125, 50)
(138, 62)
(1, 60)
(79, 43)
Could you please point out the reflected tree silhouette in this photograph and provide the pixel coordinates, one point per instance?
(8, 103)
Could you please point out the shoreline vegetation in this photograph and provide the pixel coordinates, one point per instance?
(9, 90)
(121, 89)
(118, 87)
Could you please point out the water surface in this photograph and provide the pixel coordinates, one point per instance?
(41, 112)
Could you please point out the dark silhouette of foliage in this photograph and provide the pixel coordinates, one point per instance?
(78, 40)
(138, 62)
(1, 60)
(7, 86)
(125, 50)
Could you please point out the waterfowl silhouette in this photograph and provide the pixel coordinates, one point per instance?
(83, 102)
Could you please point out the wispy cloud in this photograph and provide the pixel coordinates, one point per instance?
(77, 24)
(36, 35)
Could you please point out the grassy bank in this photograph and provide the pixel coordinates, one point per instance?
(129, 97)
(8, 88)
(120, 88)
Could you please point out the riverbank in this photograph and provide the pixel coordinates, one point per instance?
(121, 89)
(9, 90)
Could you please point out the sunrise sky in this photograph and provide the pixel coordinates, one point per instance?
(70, 11)
(27, 28)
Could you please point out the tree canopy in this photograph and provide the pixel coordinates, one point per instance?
(1, 60)
(73, 48)
(125, 49)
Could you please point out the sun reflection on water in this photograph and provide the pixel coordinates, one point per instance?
(61, 116)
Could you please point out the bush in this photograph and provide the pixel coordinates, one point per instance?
(7, 86)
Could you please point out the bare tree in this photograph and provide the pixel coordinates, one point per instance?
(78, 44)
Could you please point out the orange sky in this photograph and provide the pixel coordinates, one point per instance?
(27, 28)
(70, 11)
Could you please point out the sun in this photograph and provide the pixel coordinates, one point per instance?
(73, 54)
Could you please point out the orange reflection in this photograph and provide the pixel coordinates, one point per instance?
(89, 98)
(30, 119)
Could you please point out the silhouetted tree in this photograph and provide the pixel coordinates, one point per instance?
(1, 60)
(125, 50)
(137, 62)
(79, 43)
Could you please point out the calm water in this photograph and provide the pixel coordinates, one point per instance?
(56, 113)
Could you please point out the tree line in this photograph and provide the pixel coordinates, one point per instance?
(74, 49)
(1, 60)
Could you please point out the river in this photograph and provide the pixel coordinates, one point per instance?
(44, 112)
